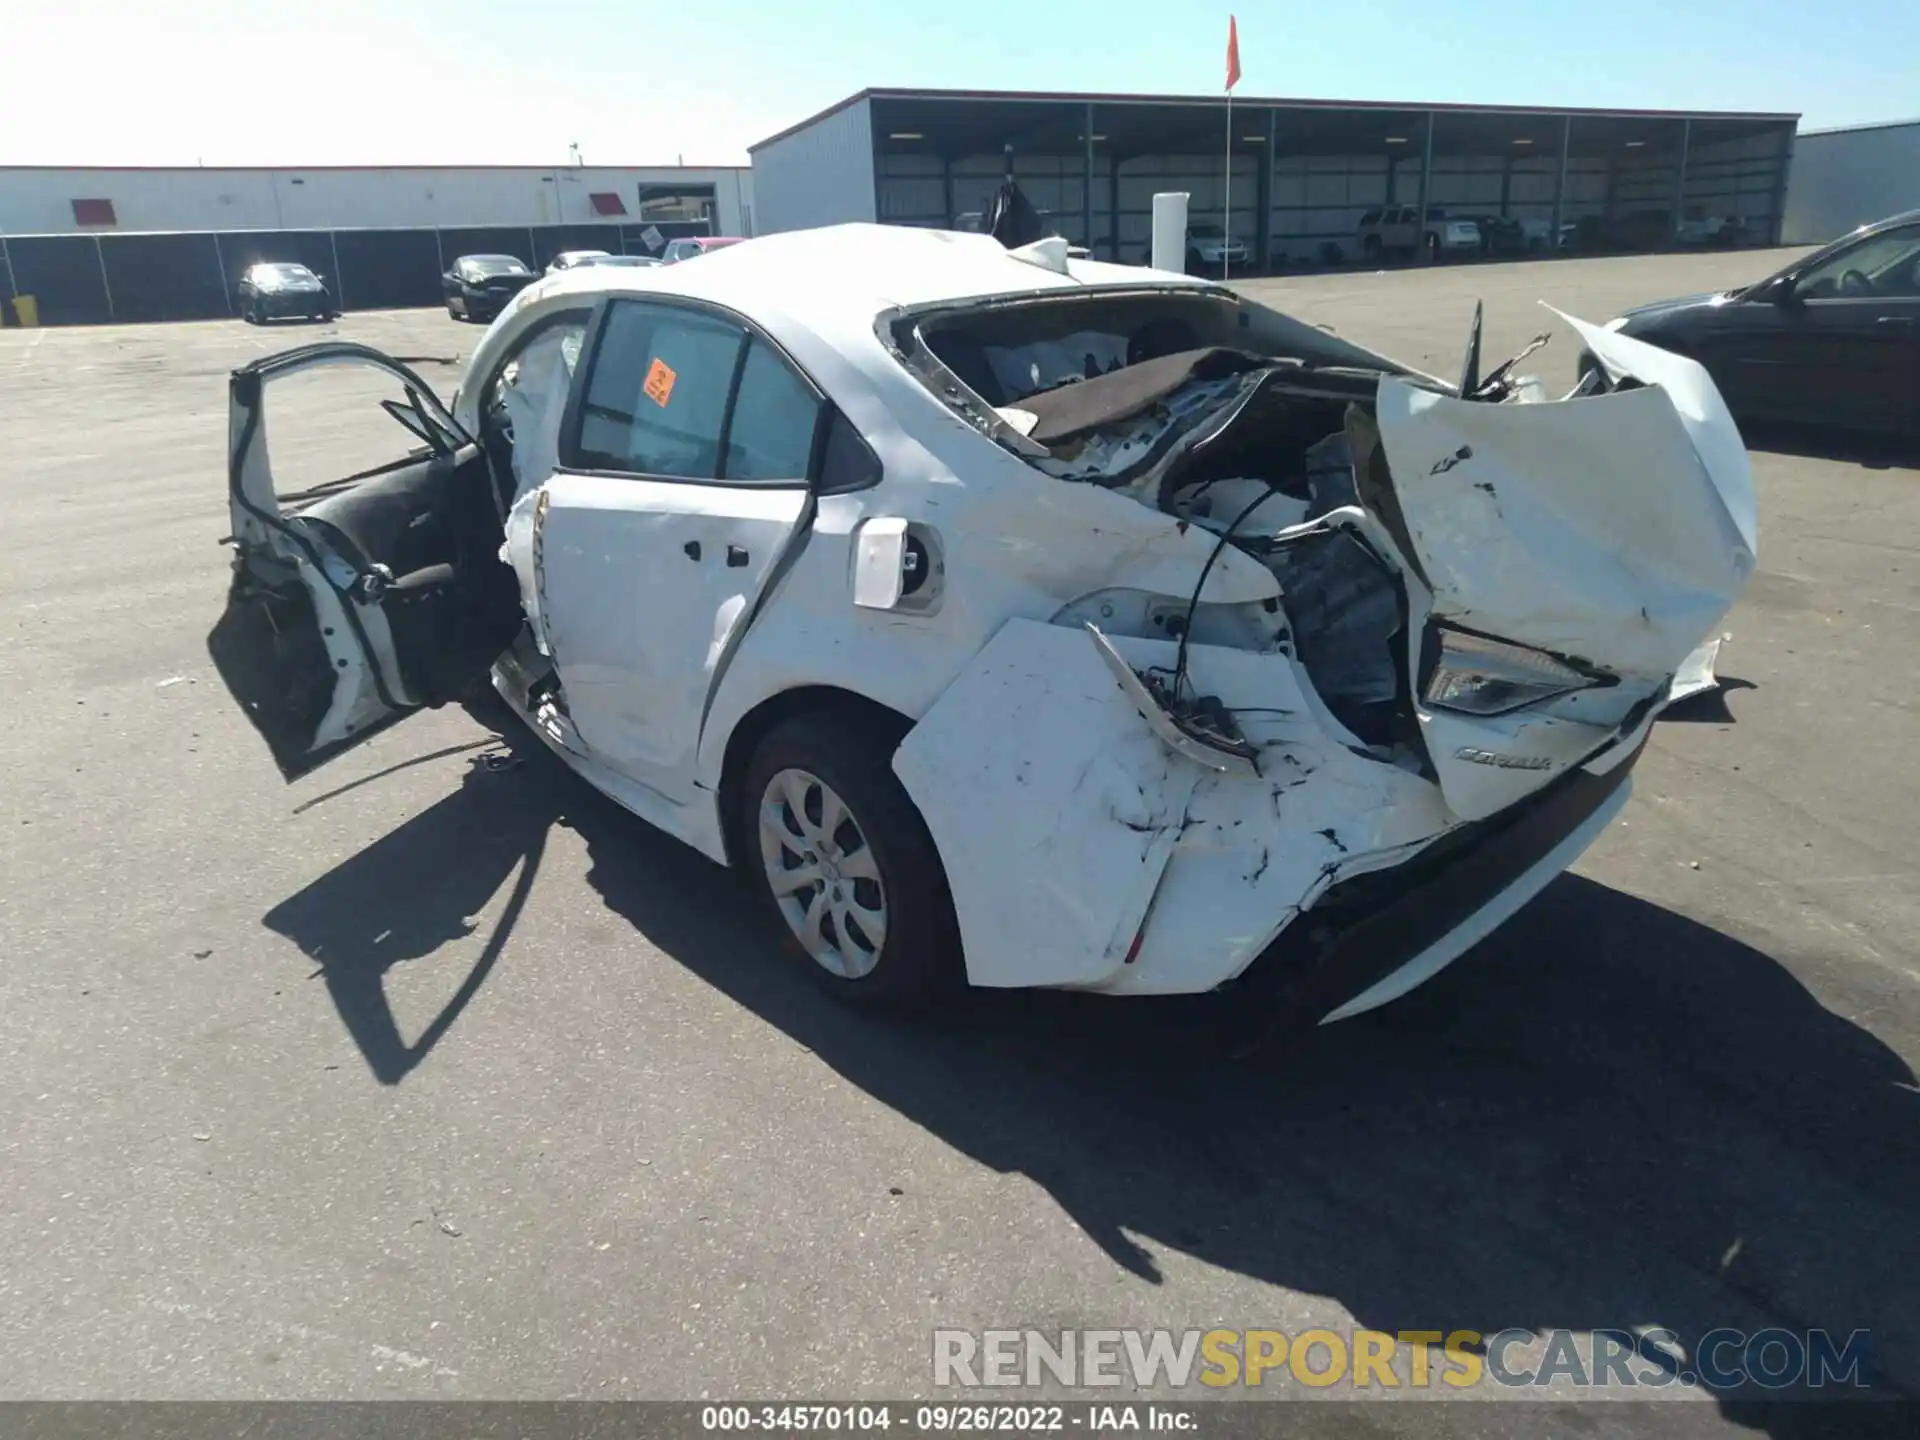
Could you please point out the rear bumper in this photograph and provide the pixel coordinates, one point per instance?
(1373, 938)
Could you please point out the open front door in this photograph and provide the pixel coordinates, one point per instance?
(359, 600)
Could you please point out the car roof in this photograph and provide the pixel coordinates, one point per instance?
(829, 277)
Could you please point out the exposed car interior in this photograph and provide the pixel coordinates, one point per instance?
(1128, 394)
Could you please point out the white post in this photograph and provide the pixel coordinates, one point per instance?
(1226, 204)
(1170, 231)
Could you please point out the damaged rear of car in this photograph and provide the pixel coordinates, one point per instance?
(1405, 689)
(1015, 618)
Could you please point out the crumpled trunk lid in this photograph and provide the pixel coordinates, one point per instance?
(1613, 531)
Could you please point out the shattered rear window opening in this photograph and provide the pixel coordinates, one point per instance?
(1230, 418)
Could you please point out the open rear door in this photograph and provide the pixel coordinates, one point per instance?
(358, 601)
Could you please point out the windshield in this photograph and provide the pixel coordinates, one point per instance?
(1205, 232)
(495, 265)
(282, 273)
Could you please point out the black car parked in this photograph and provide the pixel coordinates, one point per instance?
(478, 287)
(275, 288)
(1832, 339)
(1501, 235)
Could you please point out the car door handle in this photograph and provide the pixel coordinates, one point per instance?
(692, 549)
(736, 557)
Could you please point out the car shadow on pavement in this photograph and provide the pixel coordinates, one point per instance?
(413, 891)
(1607, 1116)
(1869, 451)
(1709, 707)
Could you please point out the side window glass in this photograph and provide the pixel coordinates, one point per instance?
(656, 399)
(774, 418)
(1883, 265)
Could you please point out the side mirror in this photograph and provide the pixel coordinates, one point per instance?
(1781, 292)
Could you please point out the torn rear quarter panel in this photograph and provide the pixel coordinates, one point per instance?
(1067, 827)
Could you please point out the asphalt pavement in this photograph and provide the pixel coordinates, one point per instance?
(437, 1075)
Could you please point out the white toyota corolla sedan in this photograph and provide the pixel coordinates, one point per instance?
(1018, 620)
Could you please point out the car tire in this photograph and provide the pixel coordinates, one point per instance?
(1433, 248)
(880, 861)
(1371, 247)
(246, 315)
(259, 313)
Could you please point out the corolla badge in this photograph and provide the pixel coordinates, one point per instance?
(1502, 762)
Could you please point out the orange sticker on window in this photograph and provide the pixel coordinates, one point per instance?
(659, 386)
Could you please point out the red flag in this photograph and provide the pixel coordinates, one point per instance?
(1233, 53)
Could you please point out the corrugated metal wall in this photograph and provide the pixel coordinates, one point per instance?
(1318, 200)
(1203, 178)
(35, 201)
(1845, 178)
(821, 174)
(1731, 178)
(99, 279)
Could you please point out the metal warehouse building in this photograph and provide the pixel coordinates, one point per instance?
(1303, 171)
(1848, 177)
(101, 244)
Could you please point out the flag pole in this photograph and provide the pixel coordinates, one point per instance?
(1226, 192)
(1226, 207)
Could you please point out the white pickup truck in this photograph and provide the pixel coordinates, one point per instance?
(1398, 229)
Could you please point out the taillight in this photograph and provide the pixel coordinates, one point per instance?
(1475, 675)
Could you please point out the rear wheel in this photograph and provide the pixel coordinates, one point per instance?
(1371, 247)
(836, 850)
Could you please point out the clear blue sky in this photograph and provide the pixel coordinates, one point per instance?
(639, 81)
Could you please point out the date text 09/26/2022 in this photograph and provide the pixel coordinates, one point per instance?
(945, 1419)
